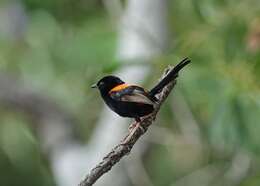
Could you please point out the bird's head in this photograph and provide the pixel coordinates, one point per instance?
(107, 83)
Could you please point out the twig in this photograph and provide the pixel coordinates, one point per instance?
(124, 149)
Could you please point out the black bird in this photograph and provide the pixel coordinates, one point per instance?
(131, 100)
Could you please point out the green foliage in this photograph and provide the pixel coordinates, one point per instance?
(68, 45)
(20, 156)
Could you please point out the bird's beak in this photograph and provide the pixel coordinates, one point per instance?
(94, 86)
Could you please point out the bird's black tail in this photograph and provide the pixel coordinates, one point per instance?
(173, 74)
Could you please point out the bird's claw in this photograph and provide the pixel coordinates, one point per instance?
(132, 126)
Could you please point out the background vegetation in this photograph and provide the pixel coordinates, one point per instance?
(62, 47)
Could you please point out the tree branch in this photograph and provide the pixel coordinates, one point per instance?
(124, 149)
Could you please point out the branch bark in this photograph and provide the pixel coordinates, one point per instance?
(121, 150)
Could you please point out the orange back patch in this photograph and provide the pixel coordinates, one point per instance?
(119, 87)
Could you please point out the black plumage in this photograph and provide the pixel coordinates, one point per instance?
(131, 100)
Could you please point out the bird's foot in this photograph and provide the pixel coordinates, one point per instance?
(132, 129)
(132, 126)
(141, 128)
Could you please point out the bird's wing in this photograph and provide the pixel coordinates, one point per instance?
(131, 93)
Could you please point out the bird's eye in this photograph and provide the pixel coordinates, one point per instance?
(101, 83)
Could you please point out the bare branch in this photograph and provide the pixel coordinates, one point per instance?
(124, 149)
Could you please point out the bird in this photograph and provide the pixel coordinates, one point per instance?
(134, 101)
